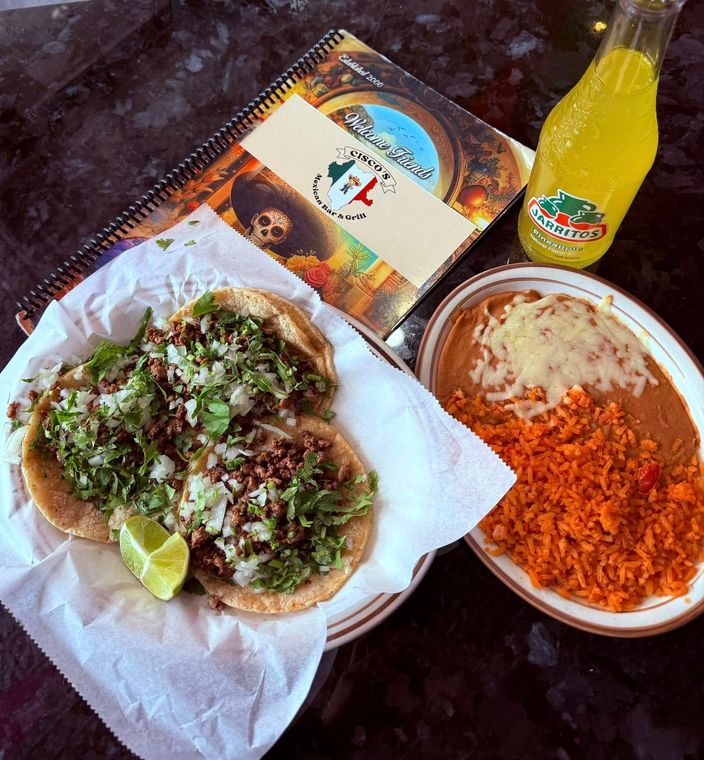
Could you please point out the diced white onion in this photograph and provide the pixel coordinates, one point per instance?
(202, 376)
(242, 579)
(260, 531)
(234, 451)
(273, 429)
(227, 525)
(190, 409)
(175, 354)
(170, 522)
(162, 469)
(240, 401)
(246, 571)
(45, 378)
(186, 510)
(13, 446)
(217, 515)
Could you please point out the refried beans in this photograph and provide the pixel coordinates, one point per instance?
(658, 413)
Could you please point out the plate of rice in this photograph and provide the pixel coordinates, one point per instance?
(597, 405)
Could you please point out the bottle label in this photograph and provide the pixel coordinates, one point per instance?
(568, 217)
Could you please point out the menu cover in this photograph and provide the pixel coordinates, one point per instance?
(348, 171)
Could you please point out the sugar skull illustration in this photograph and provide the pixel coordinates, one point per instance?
(269, 227)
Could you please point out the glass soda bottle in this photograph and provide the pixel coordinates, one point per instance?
(599, 141)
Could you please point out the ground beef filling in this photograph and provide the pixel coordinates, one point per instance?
(278, 465)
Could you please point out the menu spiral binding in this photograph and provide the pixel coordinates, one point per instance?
(32, 304)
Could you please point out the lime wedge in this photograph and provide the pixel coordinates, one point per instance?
(159, 559)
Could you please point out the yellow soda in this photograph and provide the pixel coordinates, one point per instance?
(598, 143)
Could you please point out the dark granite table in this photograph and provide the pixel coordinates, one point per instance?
(98, 100)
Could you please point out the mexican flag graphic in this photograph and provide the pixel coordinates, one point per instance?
(350, 183)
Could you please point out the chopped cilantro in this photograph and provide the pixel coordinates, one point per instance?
(215, 418)
(107, 353)
(319, 511)
(205, 305)
(107, 465)
(104, 358)
(99, 434)
(307, 407)
(190, 242)
(193, 221)
(164, 243)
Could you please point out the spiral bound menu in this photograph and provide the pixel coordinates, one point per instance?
(348, 171)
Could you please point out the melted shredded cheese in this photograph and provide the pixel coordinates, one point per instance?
(556, 343)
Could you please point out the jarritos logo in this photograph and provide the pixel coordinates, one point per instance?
(354, 176)
(568, 217)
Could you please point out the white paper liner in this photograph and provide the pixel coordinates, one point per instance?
(177, 680)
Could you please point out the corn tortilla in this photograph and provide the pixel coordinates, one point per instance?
(316, 588)
(43, 475)
(285, 320)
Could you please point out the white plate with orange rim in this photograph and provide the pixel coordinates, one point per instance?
(350, 619)
(656, 614)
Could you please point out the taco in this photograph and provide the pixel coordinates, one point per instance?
(114, 436)
(55, 496)
(267, 332)
(89, 457)
(281, 525)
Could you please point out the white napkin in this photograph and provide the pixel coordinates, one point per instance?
(175, 679)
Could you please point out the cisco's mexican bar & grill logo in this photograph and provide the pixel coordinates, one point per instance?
(352, 180)
(568, 217)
